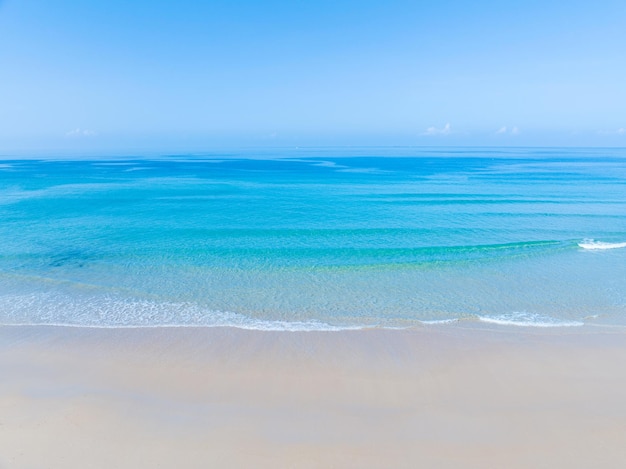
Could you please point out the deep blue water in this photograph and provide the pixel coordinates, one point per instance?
(316, 239)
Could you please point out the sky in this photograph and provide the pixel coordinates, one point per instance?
(96, 76)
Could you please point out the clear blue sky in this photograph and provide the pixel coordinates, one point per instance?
(193, 75)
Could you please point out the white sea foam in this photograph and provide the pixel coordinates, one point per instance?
(439, 321)
(106, 311)
(50, 309)
(595, 245)
(524, 319)
(276, 326)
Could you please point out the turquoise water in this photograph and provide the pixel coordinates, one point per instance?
(316, 239)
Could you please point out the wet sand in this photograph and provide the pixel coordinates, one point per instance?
(442, 397)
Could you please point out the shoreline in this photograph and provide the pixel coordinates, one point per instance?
(479, 322)
(440, 396)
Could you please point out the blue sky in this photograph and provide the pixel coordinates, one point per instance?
(196, 75)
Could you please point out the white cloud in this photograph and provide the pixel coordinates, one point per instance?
(620, 131)
(78, 132)
(445, 130)
(505, 130)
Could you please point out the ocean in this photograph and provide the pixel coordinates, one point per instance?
(316, 239)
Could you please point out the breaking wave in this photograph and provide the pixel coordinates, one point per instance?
(591, 244)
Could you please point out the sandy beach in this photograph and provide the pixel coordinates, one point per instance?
(441, 396)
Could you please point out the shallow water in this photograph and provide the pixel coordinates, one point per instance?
(316, 239)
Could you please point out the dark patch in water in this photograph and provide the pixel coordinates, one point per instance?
(71, 258)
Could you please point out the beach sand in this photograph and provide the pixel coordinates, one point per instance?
(453, 396)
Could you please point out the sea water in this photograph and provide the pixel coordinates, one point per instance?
(316, 239)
